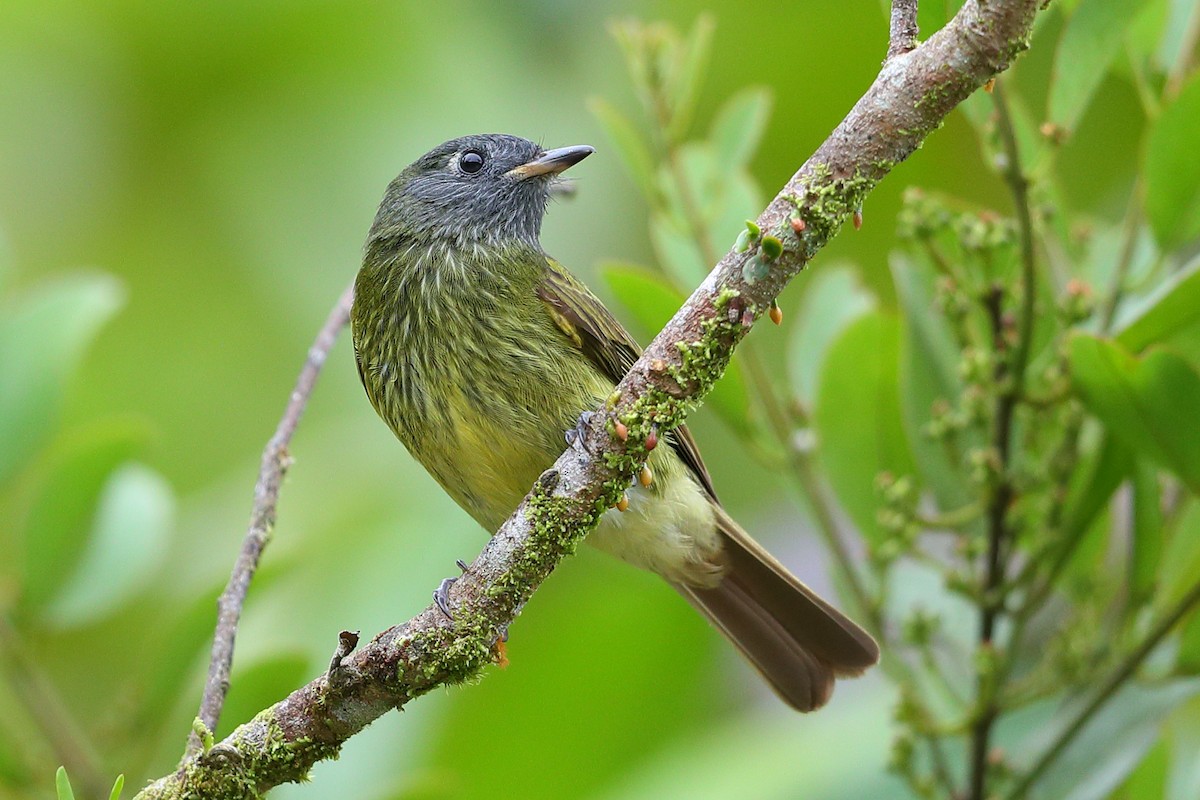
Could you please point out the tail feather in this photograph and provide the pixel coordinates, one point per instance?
(794, 638)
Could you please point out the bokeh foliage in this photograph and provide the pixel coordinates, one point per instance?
(184, 190)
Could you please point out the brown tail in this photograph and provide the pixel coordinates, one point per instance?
(795, 639)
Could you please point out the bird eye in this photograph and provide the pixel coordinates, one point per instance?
(470, 162)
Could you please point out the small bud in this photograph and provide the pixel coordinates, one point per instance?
(652, 439)
(646, 477)
(798, 225)
(990, 85)
(747, 318)
(772, 248)
(753, 229)
(500, 653)
(776, 313)
(1054, 133)
(755, 269)
(742, 243)
(623, 503)
(620, 430)
(858, 219)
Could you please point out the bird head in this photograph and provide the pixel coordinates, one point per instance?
(476, 189)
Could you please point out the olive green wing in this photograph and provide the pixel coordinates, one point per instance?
(592, 328)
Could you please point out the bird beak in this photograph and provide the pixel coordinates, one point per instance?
(552, 162)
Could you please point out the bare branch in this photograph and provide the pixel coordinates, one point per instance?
(902, 35)
(275, 461)
(908, 100)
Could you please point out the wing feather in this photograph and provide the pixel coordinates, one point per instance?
(592, 328)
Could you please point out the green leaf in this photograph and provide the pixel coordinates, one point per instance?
(676, 250)
(1180, 562)
(62, 785)
(738, 126)
(1091, 40)
(834, 297)
(635, 155)
(858, 422)
(127, 542)
(1173, 309)
(652, 302)
(690, 66)
(1150, 778)
(43, 335)
(1187, 661)
(118, 785)
(1147, 403)
(1110, 746)
(929, 360)
(1146, 544)
(1092, 485)
(1173, 170)
(258, 686)
(60, 517)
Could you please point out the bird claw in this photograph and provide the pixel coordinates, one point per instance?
(574, 436)
(441, 596)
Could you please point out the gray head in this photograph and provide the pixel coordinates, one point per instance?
(489, 187)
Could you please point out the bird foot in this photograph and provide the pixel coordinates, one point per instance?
(575, 436)
(441, 595)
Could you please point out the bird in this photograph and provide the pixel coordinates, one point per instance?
(480, 351)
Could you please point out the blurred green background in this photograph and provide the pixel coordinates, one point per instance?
(222, 161)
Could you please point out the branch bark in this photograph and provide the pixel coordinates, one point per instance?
(907, 101)
(903, 31)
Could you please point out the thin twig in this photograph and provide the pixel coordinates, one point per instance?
(1010, 376)
(903, 32)
(1106, 691)
(275, 461)
(908, 100)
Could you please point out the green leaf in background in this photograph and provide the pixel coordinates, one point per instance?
(738, 126)
(735, 200)
(834, 297)
(652, 302)
(1173, 170)
(1146, 542)
(127, 542)
(1180, 562)
(62, 785)
(1114, 742)
(260, 685)
(1091, 40)
(771, 757)
(1150, 778)
(1187, 661)
(1171, 312)
(43, 334)
(1149, 403)
(631, 148)
(60, 520)
(928, 374)
(858, 420)
(1093, 483)
(676, 249)
(691, 64)
(118, 785)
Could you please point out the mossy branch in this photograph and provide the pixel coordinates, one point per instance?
(911, 96)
